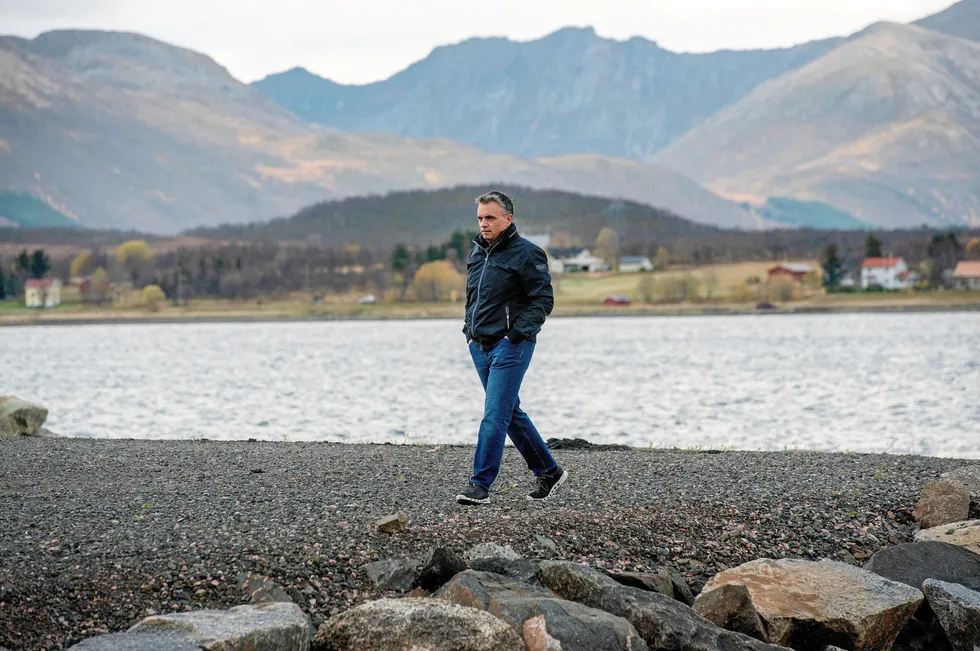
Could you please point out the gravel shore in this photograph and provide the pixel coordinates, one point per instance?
(96, 534)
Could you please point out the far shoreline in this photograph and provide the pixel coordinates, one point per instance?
(371, 313)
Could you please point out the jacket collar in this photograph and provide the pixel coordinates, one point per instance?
(500, 242)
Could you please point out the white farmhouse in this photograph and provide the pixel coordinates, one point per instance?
(889, 273)
(635, 264)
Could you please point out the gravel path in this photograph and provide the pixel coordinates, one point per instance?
(95, 534)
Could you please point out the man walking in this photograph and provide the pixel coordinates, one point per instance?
(508, 298)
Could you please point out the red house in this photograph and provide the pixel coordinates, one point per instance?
(794, 272)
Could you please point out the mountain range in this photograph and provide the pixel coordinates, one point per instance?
(119, 130)
(881, 125)
(880, 128)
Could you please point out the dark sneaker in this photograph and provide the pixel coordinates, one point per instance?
(475, 494)
(547, 484)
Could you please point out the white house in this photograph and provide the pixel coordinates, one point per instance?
(579, 260)
(42, 293)
(635, 264)
(967, 275)
(889, 273)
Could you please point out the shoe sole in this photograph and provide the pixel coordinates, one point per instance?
(561, 480)
(462, 499)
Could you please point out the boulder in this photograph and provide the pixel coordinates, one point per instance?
(521, 569)
(399, 574)
(958, 609)
(546, 543)
(664, 623)
(492, 550)
(395, 523)
(964, 534)
(969, 478)
(536, 635)
(576, 627)
(914, 563)
(666, 581)
(261, 589)
(133, 642)
(260, 627)
(441, 565)
(806, 603)
(20, 418)
(942, 503)
(409, 623)
(730, 607)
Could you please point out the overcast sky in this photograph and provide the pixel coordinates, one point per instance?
(368, 40)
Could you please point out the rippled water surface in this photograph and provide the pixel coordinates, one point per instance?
(862, 382)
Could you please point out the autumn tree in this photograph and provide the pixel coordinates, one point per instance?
(437, 281)
(662, 260)
(973, 249)
(80, 264)
(134, 255)
(153, 297)
(607, 246)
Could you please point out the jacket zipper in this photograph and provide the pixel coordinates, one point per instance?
(507, 310)
(479, 284)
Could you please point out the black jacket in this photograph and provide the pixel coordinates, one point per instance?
(508, 289)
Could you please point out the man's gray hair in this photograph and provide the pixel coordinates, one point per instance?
(499, 198)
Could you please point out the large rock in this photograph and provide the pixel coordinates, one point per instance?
(942, 503)
(133, 642)
(441, 565)
(665, 581)
(520, 569)
(395, 523)
(806, 603)
(964, 534)
(969, 478)
(423, 624)
(492, 550)
(664, 623)
(261, 589)
(399, 574)
(260, 627)
(575, 626)
(730, 607)
(20, 418)
(958, 609)
(914, 563)
(536, 635)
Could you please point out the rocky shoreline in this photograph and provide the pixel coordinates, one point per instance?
(97, 535)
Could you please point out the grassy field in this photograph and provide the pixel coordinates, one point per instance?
(576, 294)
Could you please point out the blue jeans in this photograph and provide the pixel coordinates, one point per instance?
(501, 371)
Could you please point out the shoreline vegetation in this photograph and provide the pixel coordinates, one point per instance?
(295, 309)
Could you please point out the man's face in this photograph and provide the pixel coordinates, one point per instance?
(493, 220)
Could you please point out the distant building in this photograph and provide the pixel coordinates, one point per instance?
(45, 292)
(578, 260)
(966, 275)
(635, 264)
(794, 272)
(889, 273)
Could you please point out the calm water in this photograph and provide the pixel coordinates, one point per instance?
(888, 383)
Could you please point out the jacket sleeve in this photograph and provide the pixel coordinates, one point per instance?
(541, 299)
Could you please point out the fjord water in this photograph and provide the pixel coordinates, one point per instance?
(900, 383)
